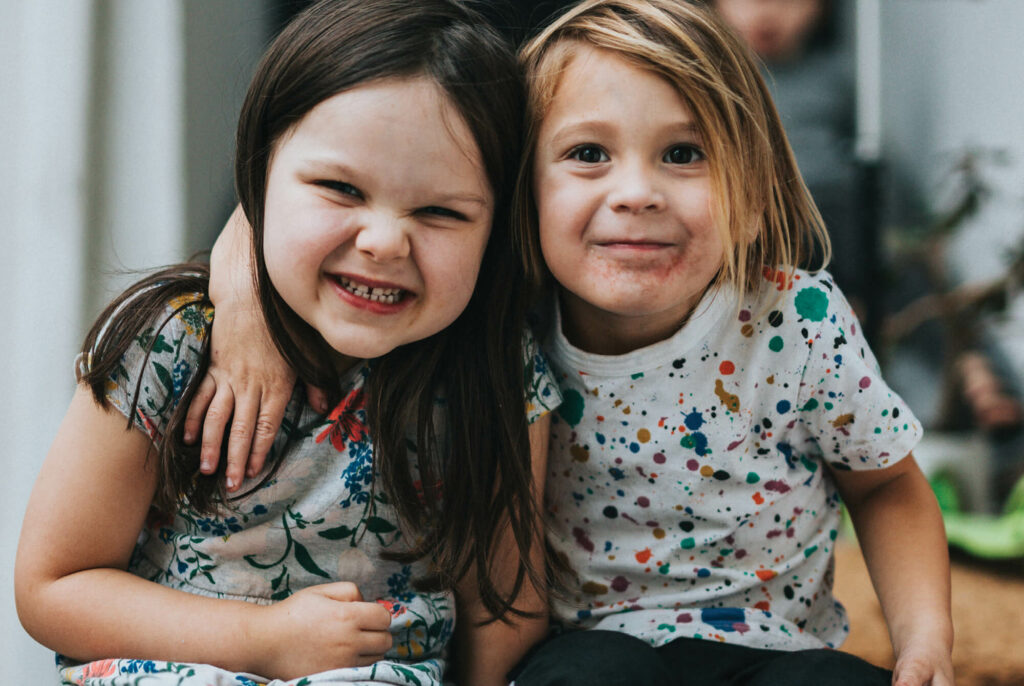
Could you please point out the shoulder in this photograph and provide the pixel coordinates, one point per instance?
(542, 393)
(146, 352)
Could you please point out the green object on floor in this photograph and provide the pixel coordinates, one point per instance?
(990, 537)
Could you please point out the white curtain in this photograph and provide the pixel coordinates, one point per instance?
(95, 180)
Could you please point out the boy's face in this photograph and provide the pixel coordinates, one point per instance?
(624, 196)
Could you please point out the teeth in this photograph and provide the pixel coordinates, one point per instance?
(388, 296)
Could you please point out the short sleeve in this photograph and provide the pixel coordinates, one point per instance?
(857, 421)
(542, 394)
(159, 364)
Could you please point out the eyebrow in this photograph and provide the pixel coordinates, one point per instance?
(588, 126)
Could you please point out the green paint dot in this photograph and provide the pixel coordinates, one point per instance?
(885, 413)
(775, 344)
(809, 465)
(810, 551)
(687, 543)
(663, 569)
(687, 441)
(810, 405)
(638, 375)
(571, 409)
(832, 534)
(829, 406)
(811, 303)
(878, 429)
(752, 478)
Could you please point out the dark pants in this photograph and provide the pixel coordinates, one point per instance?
(610, 658)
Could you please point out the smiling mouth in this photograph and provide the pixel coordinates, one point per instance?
(385, 296)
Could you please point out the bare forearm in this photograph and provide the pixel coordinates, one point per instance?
(102, 613)
(901, 533)
(231, 265)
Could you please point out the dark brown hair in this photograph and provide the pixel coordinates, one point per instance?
(477, 452)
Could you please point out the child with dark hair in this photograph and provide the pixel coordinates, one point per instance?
(376, 149)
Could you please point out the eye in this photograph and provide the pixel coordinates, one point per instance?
(683, 154)
(446, 212)
(340, 187)
(588, 154)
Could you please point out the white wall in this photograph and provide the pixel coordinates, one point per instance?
(103, 108)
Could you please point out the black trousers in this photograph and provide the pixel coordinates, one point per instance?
(610, 658)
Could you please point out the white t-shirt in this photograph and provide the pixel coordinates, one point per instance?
(687, 486)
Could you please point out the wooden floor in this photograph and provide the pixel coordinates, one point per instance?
(988, 619)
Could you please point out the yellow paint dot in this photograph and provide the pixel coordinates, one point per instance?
(706, 470)
(659, 533)
(643, 435)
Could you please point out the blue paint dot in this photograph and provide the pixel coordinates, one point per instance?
(600, 438)
(703, 573)
(694, 420)
(634, 447)
(782, 407)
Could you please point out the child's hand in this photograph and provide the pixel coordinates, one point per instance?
(928, 663)
(320, 628)
(248, 382)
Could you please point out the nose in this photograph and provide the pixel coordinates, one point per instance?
(382, 238)
(635, 190)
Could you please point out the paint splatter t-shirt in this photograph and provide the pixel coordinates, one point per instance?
(687, 485)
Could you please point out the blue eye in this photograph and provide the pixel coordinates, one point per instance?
(340, 187)
(683, 154)
(588, 154)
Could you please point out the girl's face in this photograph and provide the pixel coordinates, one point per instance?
(377, 215)
(623, 196)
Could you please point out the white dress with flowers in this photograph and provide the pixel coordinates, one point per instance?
(317, 520)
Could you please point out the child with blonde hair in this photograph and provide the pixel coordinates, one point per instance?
(719, 404)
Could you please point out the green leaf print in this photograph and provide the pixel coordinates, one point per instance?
(164, 376)
(161, 346)
(337, 533)
(379, 525)
(306, 560)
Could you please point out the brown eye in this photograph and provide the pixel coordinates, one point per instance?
(589, 154)
(683, 154)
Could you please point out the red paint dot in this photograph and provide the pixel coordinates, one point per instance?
(727, 367)
(744, 315)
(865, 382)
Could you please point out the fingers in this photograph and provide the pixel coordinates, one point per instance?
(272, 408)
(240, 436)
(197, 408)
(317, 398)
(217, 417)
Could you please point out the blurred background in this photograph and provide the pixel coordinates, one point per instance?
(117, 117)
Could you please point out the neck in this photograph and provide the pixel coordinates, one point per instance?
(601, 332)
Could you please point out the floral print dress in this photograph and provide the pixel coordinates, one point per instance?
(317, 520)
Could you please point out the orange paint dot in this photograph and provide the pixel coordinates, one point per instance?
(766, 574)
(600, 417)
(726, 367)
(644, 555)
(758, 498)
(763, 605)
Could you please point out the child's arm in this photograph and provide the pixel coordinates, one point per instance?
(248, 382)
(485, 654)
(904, 544)
(74, 595)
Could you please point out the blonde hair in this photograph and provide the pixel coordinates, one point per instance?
(763, 209)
